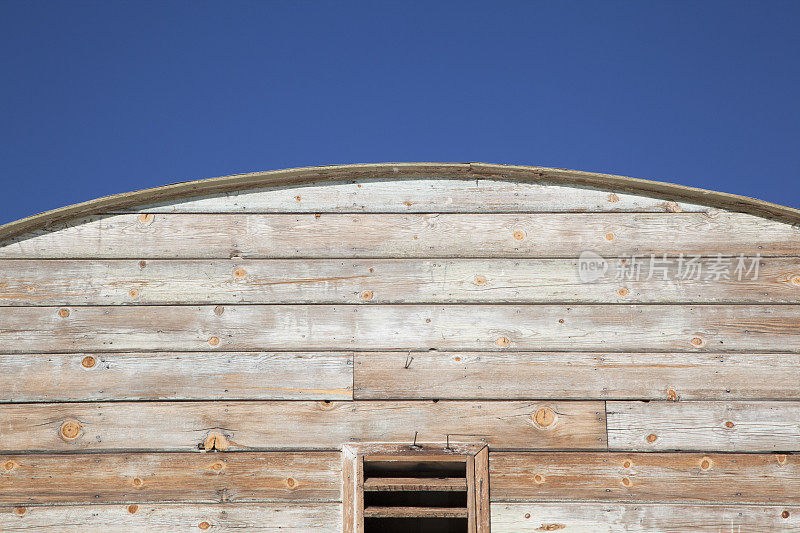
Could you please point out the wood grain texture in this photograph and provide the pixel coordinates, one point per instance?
(39, 479)
(482, 492)
(183, 426)
(415, 512)
(645, 477)
(568, 375)
(176, 376)
(349, 490)
(723, 426)
(419, 195)
(618, 328)
(301, 176)
(595, 517)
(408, 235)
(272, 517)
(382, 281)
(415, 484)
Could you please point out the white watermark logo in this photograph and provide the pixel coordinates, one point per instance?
(593, 267)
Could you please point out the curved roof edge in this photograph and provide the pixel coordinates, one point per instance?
(298, 176)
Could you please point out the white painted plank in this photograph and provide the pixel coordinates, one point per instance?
(721, 426)
(263, 517)
(176, 376)
(165, 282)
(298, 425)
(591, 517)
(408, 235)
(420, 195)
(697, 478)
(103, 478)
(566, 375)
(616, 328)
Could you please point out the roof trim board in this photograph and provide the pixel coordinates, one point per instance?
(304, 175)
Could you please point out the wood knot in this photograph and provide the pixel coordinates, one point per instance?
(544, 417)
(796, 281)
(538, 478)
(626, 481)
(366, 295)
(10, 465)
(20, 510)
(627, 464)
(142, 264)
(132, 508)
(137, 482)
(623, 292)
(652, 438)
(145, 219)
(218, 310)
(551, 527)
(785, 514)
(613, 198)
(88, 361)
(519, 235)
(697, 342)
(781, 459)
(672, 396)
(480, 280)
(239, 273)
(213, 341)
(705, 463)
(204, 525)
(673, 207)
(291, 483)
(502, 342)
(216, 441)
(610, 236)
(133, 293)
(219, 465)
(729, 424)
(457, 359)
(63, 313)
(70, 429)
(327, 405)
(527, 515)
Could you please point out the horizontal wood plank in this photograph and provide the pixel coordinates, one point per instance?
(596, 517)
(385, 281)
(419, 195)
(723, 426)
(555, 235)
(645, 477)
(568, 375)
(415, 512)
(414, 484)
(184, 426)
(272, 517)
(40, 479)
(176, 376)
(619, 328)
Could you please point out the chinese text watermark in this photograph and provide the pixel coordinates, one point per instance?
(592, 267)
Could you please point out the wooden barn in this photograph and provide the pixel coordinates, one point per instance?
(402, 348)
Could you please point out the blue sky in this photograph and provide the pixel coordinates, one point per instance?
(106, 97)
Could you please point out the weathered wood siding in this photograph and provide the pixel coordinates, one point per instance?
(199, 363)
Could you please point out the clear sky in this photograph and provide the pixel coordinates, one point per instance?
(103, 97)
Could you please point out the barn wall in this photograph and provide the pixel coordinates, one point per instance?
(267, 327)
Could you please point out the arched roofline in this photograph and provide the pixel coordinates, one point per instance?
(304, 175)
